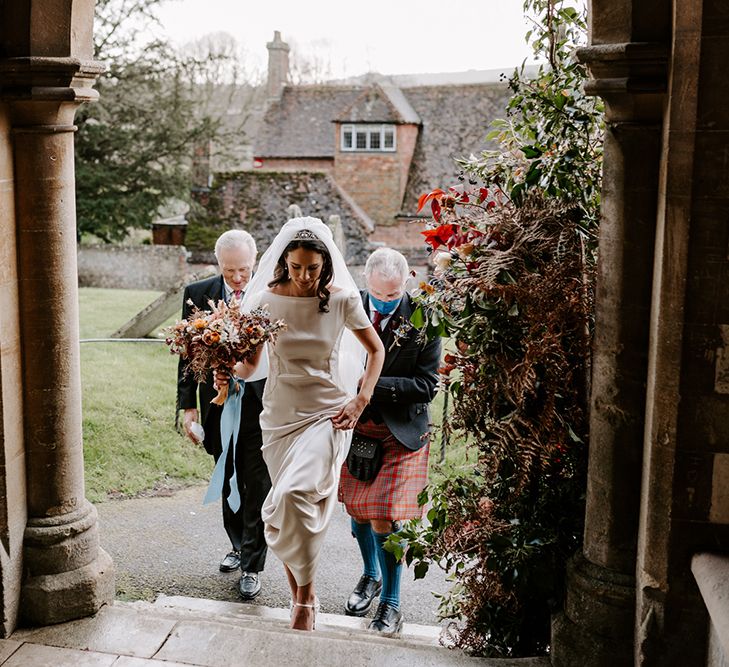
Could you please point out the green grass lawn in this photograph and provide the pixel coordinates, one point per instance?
(130, 443)
(457, 456)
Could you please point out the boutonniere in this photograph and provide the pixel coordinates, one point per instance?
(400, 328)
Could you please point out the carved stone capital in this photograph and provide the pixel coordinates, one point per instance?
(631, 77)
(49, 79)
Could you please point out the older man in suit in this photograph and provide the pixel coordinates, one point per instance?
(397, 417)
(235, 251)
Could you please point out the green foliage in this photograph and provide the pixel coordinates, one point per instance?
(551, 139)
(205, 221)
(134, 146)
(130, 442)
(513, 290)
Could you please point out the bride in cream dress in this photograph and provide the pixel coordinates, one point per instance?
(312, 400)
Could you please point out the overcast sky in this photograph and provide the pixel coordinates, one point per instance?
(387, 36)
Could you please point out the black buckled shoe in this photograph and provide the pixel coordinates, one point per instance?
(366, 590)
(387, 621)
(231, 562)
(249, 585)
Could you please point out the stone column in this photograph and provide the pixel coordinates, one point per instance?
(597, 626)
(685, 508)
(67, 575)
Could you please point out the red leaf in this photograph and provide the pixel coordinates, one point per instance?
(482, 194)
(431, 238)
(439, 236)
(425, 198)
(421, 201)
(435, 207)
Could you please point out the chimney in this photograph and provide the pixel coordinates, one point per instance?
(278, 66)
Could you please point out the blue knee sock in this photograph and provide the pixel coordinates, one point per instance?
(391, 570)
(368, 547)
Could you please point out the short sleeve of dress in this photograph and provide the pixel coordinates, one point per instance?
(355, 317)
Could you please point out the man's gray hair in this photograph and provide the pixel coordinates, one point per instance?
(235, 238)
(389, 263)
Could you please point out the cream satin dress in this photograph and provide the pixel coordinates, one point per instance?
(302, 450)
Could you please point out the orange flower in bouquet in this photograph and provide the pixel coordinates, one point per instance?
(218, 338)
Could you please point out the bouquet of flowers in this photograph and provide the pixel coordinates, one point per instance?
(219, 338)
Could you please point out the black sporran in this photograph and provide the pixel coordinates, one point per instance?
(364, 458)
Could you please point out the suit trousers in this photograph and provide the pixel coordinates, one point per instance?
(244, 527)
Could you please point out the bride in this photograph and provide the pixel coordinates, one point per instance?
(316, 390)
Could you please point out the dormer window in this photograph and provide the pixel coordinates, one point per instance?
(369, 137)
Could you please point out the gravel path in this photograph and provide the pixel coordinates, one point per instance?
(173, 544)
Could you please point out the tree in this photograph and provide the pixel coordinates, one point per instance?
(134, 147)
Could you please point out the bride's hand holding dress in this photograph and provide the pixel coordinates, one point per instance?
(347, 417)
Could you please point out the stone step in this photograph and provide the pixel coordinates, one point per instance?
(428, 635)
(181, 631)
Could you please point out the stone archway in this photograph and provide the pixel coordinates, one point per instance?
(52, 567)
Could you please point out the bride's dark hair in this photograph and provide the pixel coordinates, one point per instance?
(281, 272)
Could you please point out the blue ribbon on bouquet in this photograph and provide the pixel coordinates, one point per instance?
(229, 427)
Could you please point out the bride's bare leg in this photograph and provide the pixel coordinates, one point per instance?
(303, 617)
(292, 582)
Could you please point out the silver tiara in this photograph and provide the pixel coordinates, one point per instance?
(305, 235)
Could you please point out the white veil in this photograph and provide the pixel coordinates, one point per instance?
(350, 350)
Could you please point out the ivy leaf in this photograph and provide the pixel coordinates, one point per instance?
(420, 570)
(417, 319)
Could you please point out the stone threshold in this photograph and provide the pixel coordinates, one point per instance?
(179, 631)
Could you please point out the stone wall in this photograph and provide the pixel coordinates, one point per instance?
(132, 267)
(258, 202)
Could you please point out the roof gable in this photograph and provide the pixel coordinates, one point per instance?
(379, 104)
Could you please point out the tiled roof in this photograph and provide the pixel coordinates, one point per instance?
(455, 121)
(379, 104)
(300, 123)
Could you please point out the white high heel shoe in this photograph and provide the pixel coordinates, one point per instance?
(316, 606)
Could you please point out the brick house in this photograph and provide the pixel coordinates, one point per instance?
(382, 142)
(375, 144)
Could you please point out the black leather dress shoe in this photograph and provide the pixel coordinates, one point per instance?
(231, 562)
(387, 620)
(249, 585)
(366, 590)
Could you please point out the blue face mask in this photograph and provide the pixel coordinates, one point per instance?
(385, 307)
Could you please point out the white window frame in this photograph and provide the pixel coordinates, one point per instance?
(367, 128)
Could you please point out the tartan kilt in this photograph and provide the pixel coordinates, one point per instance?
(393, 494)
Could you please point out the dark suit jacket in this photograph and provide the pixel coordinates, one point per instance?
(408, 379)
(211, 289)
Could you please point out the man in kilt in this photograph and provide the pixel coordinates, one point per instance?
(398, 419)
